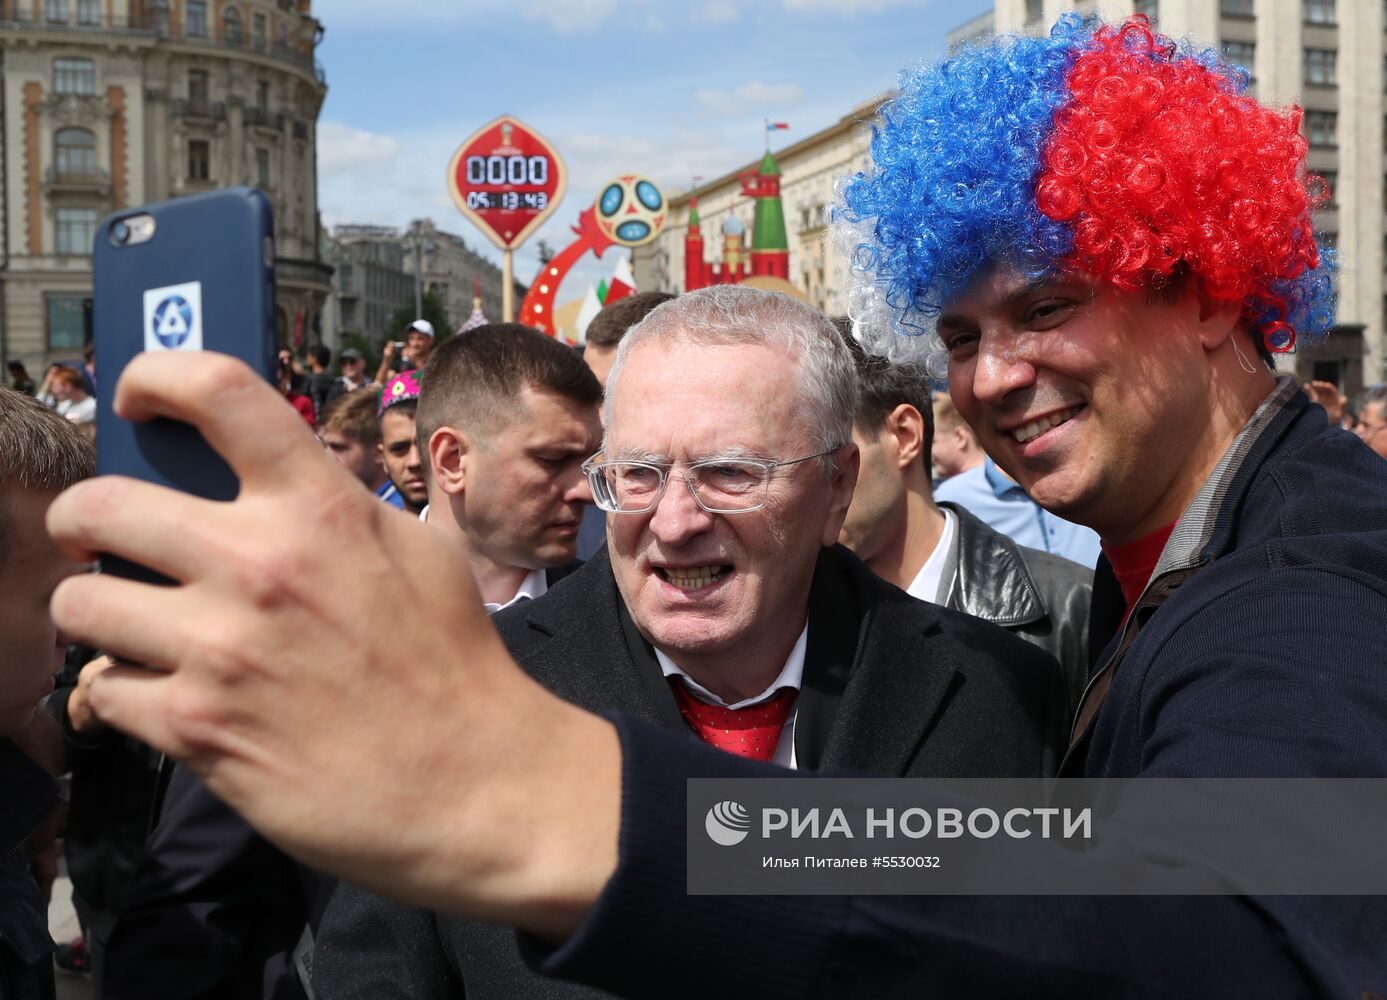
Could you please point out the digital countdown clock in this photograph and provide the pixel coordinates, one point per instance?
(507, 179)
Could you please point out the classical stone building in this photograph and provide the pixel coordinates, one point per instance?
(724, 211)
(453, 271)
(1330, 57)
(369, 283)
(114, 103)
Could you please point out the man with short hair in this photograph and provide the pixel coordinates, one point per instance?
(320, 381)
(40, 455)
(505, 419)
(19, 377)
(1372, 418)
(1102, 240)
(604, 333)
(399, 445)
(942, 553)
(956, 448)
(723, 609)
(351, 432)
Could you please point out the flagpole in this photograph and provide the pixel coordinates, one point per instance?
(767, 123)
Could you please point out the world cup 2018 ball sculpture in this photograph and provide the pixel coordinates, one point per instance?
(629, 211)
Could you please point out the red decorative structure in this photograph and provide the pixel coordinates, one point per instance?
(769, 254)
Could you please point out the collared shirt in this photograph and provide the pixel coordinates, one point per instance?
(791, 676)
(535, 584)
(997, 501)
(929, 584)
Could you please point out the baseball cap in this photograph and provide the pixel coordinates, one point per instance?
(400, 389)
(423, 326)
(352, 354)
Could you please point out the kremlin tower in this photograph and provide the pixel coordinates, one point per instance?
(769, 254)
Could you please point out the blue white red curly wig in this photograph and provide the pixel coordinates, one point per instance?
(1109, 150)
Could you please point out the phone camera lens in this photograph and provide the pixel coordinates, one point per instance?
(120, 232)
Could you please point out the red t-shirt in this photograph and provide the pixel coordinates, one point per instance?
(305, 407)
(1134, 562)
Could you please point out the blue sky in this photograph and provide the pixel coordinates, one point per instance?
(662, 87)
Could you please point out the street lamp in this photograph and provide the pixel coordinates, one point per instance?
(416, 237)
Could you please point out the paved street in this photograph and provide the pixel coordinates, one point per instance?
(62, 924)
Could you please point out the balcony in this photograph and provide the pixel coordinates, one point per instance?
(94, 181)
(289, 271)
(155, 25)
(261, 118)
(190, 107)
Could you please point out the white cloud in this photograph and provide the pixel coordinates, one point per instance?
(343, 149)
(568, 16)
(563, 16)
(718, 12)
(751, 97)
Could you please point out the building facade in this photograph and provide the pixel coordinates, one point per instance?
(1329, 56)
(108, 104)
(369, 283)
(724, 211)
(454, 272)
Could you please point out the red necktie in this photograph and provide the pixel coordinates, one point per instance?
(751, 732)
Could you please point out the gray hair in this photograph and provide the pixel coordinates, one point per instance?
(39, 452)
(732, 314)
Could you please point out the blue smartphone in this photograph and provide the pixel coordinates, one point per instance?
(192, 274)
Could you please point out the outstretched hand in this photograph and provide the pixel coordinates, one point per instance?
(326, 666)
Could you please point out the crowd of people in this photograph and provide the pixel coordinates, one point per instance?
(417, 717)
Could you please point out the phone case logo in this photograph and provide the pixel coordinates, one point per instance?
(173, 318)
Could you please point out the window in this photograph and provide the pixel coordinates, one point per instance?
(55, 11)
(198, 89)
(88, 12)
(1241, 53)
(1148, 7)
(1319, 11)
(74, 76)
(199, 160)
(74, 152)
(258, 30)
(262, 95)
(196, 19)
(232, 19)
(262, 168)
(1236, 8)
(1319, 66)
(1322, 128)
(1034, 10)
(75, 229)
(344, 277)
(68, 322)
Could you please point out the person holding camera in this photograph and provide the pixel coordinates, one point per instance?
(408, 354)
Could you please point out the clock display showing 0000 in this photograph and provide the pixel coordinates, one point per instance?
(508, 171)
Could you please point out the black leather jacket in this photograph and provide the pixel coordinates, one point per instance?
(27, 796)
(1041, 597)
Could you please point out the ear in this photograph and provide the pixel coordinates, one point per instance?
(845, 466)
(906, 427)
(1218, 323)
(448, 450)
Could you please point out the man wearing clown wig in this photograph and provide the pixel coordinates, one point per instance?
(1099, 241)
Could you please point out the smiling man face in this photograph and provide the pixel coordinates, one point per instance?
(1094, 399)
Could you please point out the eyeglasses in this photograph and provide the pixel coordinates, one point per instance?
(718, 485)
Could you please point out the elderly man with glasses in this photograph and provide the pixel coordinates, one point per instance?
(722, 607)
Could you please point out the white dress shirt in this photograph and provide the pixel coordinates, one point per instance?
(929, 584)
(791, 676)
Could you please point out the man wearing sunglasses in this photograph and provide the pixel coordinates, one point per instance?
(723, 608)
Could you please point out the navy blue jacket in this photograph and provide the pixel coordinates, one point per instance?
(1258, 652)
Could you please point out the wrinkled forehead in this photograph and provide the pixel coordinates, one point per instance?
(686, 399)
